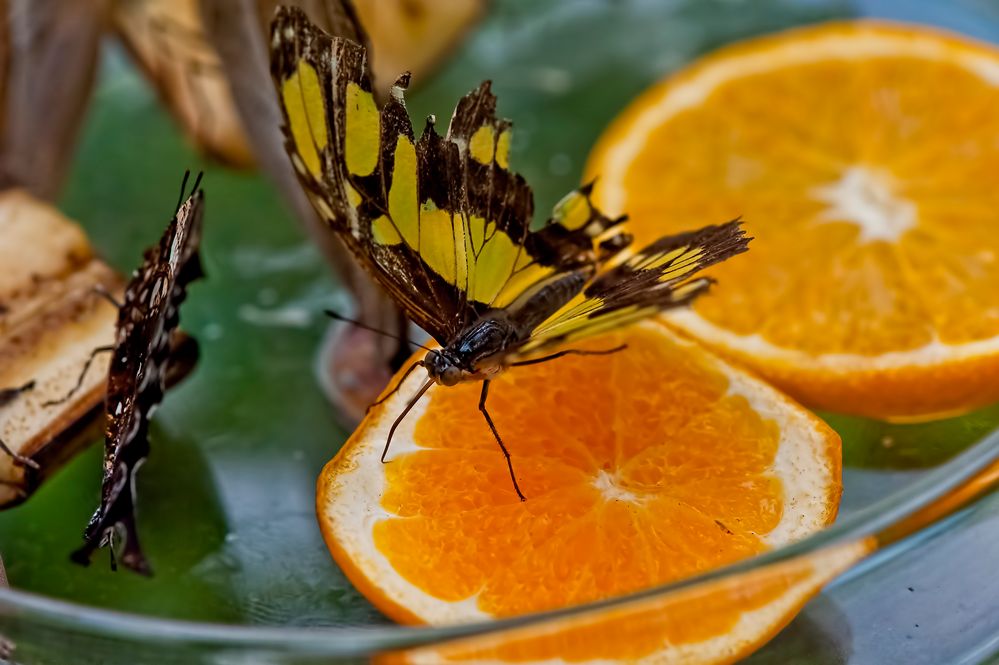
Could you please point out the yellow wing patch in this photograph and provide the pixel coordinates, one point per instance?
(493, 267)
(522, 280)
(403, 197)
(677, 262)
(503, 149)
(442, 244)
(573, 321)
(383, 232)
(363, 131)
(573, 211)
(353, 196)
(303, 102)
(482, 145)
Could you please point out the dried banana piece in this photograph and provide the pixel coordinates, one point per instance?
(51, 319)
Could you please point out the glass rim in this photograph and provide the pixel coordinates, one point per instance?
(355, 640)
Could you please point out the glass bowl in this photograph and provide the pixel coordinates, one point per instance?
(241, 572)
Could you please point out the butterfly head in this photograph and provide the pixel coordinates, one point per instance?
(443, 369)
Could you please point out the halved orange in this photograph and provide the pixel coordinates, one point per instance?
(646, 466)
(862, 157)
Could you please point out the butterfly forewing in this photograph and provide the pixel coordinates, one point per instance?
(440, 221)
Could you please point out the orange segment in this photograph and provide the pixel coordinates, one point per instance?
(874, 284)
(640, 468)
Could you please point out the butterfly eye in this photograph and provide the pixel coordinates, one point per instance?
(451, 376)
(441, 369)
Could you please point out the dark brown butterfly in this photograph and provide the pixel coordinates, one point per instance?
(137, 378)
(444, 226)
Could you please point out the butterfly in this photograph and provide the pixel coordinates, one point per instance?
(443, 224)
(141, 363)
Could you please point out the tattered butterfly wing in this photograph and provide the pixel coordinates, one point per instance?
(661, 276)
(50, 50)
(168, 41)
(441, 222)
(137, 377)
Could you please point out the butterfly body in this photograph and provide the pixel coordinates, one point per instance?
(444, 225)
(476, 355)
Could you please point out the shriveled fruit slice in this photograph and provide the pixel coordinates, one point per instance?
(649, 465)
(874, 288)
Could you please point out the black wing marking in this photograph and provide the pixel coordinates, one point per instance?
(441, 222)
(137, 377)
(659, 277)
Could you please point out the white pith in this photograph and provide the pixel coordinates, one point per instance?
(866, 198)
(612, 491)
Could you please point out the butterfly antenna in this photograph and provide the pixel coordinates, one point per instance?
(339, 317)
(7, 395)
(107, 295)
(402, 416)
(197, 182)
(183, 188)
(18, 458)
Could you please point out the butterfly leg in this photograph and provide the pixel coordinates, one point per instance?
(402, 416)
(6, 395)
(409, 370)
(104, 293)
(506, 453)
(83, 374)
(569, 352)
(18, 458)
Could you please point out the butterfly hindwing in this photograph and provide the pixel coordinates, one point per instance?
(440, 221)
(656, 278)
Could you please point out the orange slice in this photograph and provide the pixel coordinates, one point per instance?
(646, 466)
(859, 154)
(693, 626)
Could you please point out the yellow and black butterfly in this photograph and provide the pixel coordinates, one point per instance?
(444, 225)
